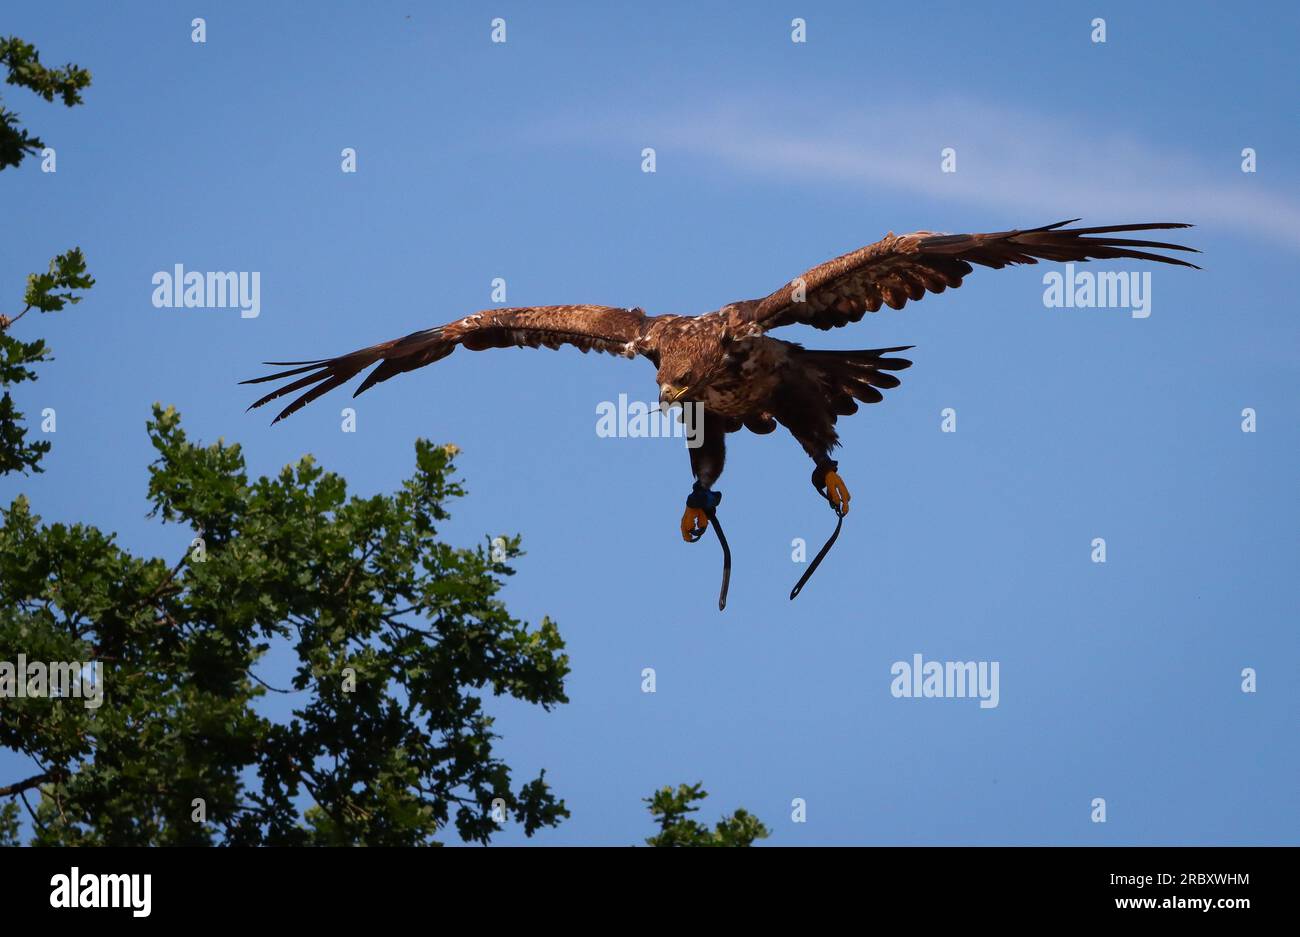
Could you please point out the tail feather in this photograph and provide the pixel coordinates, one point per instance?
(850, 376)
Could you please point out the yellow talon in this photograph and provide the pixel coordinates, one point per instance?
(694, 523)
(837, 492)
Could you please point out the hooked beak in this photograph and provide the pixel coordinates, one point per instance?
(669, 394)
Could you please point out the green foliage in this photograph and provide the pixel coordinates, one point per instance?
(67, 273)
(16, 454)
(672, 809)
(23, 63)
(397, 638)
(8, 823)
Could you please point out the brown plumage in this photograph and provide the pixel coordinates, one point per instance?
(725, 359)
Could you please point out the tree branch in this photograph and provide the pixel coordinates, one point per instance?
(34, 781)
(6, 321)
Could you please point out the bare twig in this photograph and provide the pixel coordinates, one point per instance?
(5, 321)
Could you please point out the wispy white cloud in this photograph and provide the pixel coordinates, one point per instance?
(1069, 161)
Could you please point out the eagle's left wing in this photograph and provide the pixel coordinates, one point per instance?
(898, 268)
(602, 328)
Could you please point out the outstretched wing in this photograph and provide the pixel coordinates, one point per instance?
(898, 268)
(603, 328)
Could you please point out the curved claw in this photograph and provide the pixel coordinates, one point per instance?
(694, 523)
(837, 492)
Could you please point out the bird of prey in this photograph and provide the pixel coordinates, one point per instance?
(727, 361)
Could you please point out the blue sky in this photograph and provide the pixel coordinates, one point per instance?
(523, 161)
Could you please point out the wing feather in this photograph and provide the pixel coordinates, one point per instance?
(900, 268)
(600, 328)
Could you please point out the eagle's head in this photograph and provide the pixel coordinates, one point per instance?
(688, 365)
(681, 377)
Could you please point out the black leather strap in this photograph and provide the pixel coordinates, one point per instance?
(821, 555)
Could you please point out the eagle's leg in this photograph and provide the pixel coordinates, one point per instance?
(708, 451)
(825, 477)
(813, 427)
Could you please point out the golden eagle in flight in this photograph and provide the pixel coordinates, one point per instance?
(726, 361)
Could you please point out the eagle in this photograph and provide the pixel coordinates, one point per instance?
(727, 362)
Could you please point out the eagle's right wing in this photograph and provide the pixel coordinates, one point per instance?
(603, 328)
